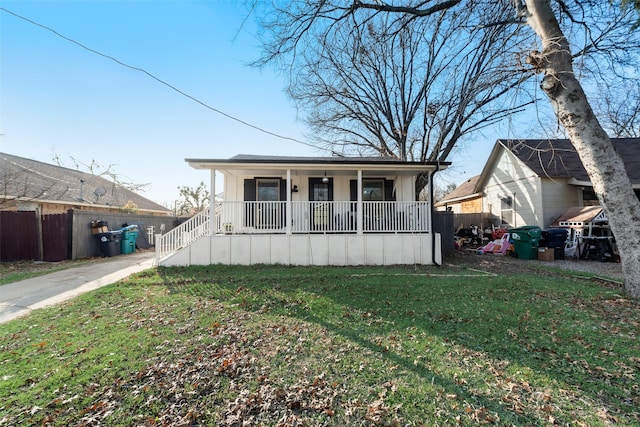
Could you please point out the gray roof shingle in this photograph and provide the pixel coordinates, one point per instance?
(558, 159)
(34, 180)
(259, 158)
(465, 189)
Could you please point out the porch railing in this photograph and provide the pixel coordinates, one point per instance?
(306, 217)
(181, 236)
(321, 217)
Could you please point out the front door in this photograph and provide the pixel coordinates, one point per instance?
(320, 196)
(268, 196)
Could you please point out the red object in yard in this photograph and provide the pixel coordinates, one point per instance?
(498, 233)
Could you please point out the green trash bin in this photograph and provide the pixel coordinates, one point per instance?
(525, 241)
(128, 240)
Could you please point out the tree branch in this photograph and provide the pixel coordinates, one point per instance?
(416, 11)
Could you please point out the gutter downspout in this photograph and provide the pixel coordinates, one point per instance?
(431, 205)
(213, 227)
(515, 213)
(288, 208)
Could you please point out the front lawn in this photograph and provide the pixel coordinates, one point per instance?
(289, 346)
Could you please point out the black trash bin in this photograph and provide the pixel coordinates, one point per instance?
(555, 238)
(110, 242)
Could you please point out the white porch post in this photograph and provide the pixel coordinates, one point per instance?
(212, 204)
(288, 207)
(360, 213)
(430, 204)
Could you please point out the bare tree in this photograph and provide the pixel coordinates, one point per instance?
(378, 84)
(620, 111)
(98, 169)
(440, 192)
(603, 39)
(192, 199)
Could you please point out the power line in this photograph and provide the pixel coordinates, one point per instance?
(141, 70)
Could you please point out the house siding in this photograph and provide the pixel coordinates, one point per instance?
(471, 206)
(318, 249)
(456, 208)
(558, 196)
(474, 205)
(512, 178)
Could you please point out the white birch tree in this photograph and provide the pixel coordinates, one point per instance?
(553, 59)
(601, 161)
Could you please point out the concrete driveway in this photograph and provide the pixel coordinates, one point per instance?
(20, 298)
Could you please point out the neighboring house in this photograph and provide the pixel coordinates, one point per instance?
(309, 211)
(30, 185)
(463, 199)
(534, 182)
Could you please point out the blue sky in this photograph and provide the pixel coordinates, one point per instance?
(58, 99)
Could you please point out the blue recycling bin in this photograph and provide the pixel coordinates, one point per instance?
(129, 236)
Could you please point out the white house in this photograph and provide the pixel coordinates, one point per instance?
(535, 182)
(309, 211)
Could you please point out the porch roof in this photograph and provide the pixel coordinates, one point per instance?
(579, 214)
(278, 164)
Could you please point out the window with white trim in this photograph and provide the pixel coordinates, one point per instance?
(506, 210)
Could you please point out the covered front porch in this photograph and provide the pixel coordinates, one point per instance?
(302, 211)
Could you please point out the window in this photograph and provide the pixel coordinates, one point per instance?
(373, 189)
(266, 209)
(268, 190)
(506, 203)
(506, 209)
(320, 192)
(589, 197)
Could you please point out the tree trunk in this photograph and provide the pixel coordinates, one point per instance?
(603, 164)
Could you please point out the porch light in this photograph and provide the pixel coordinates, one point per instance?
(294, 189)
(325, 180)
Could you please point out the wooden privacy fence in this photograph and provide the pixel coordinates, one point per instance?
(28, 236)
(56, 242)
(443, 224)
(482, 219)
(56, 237)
